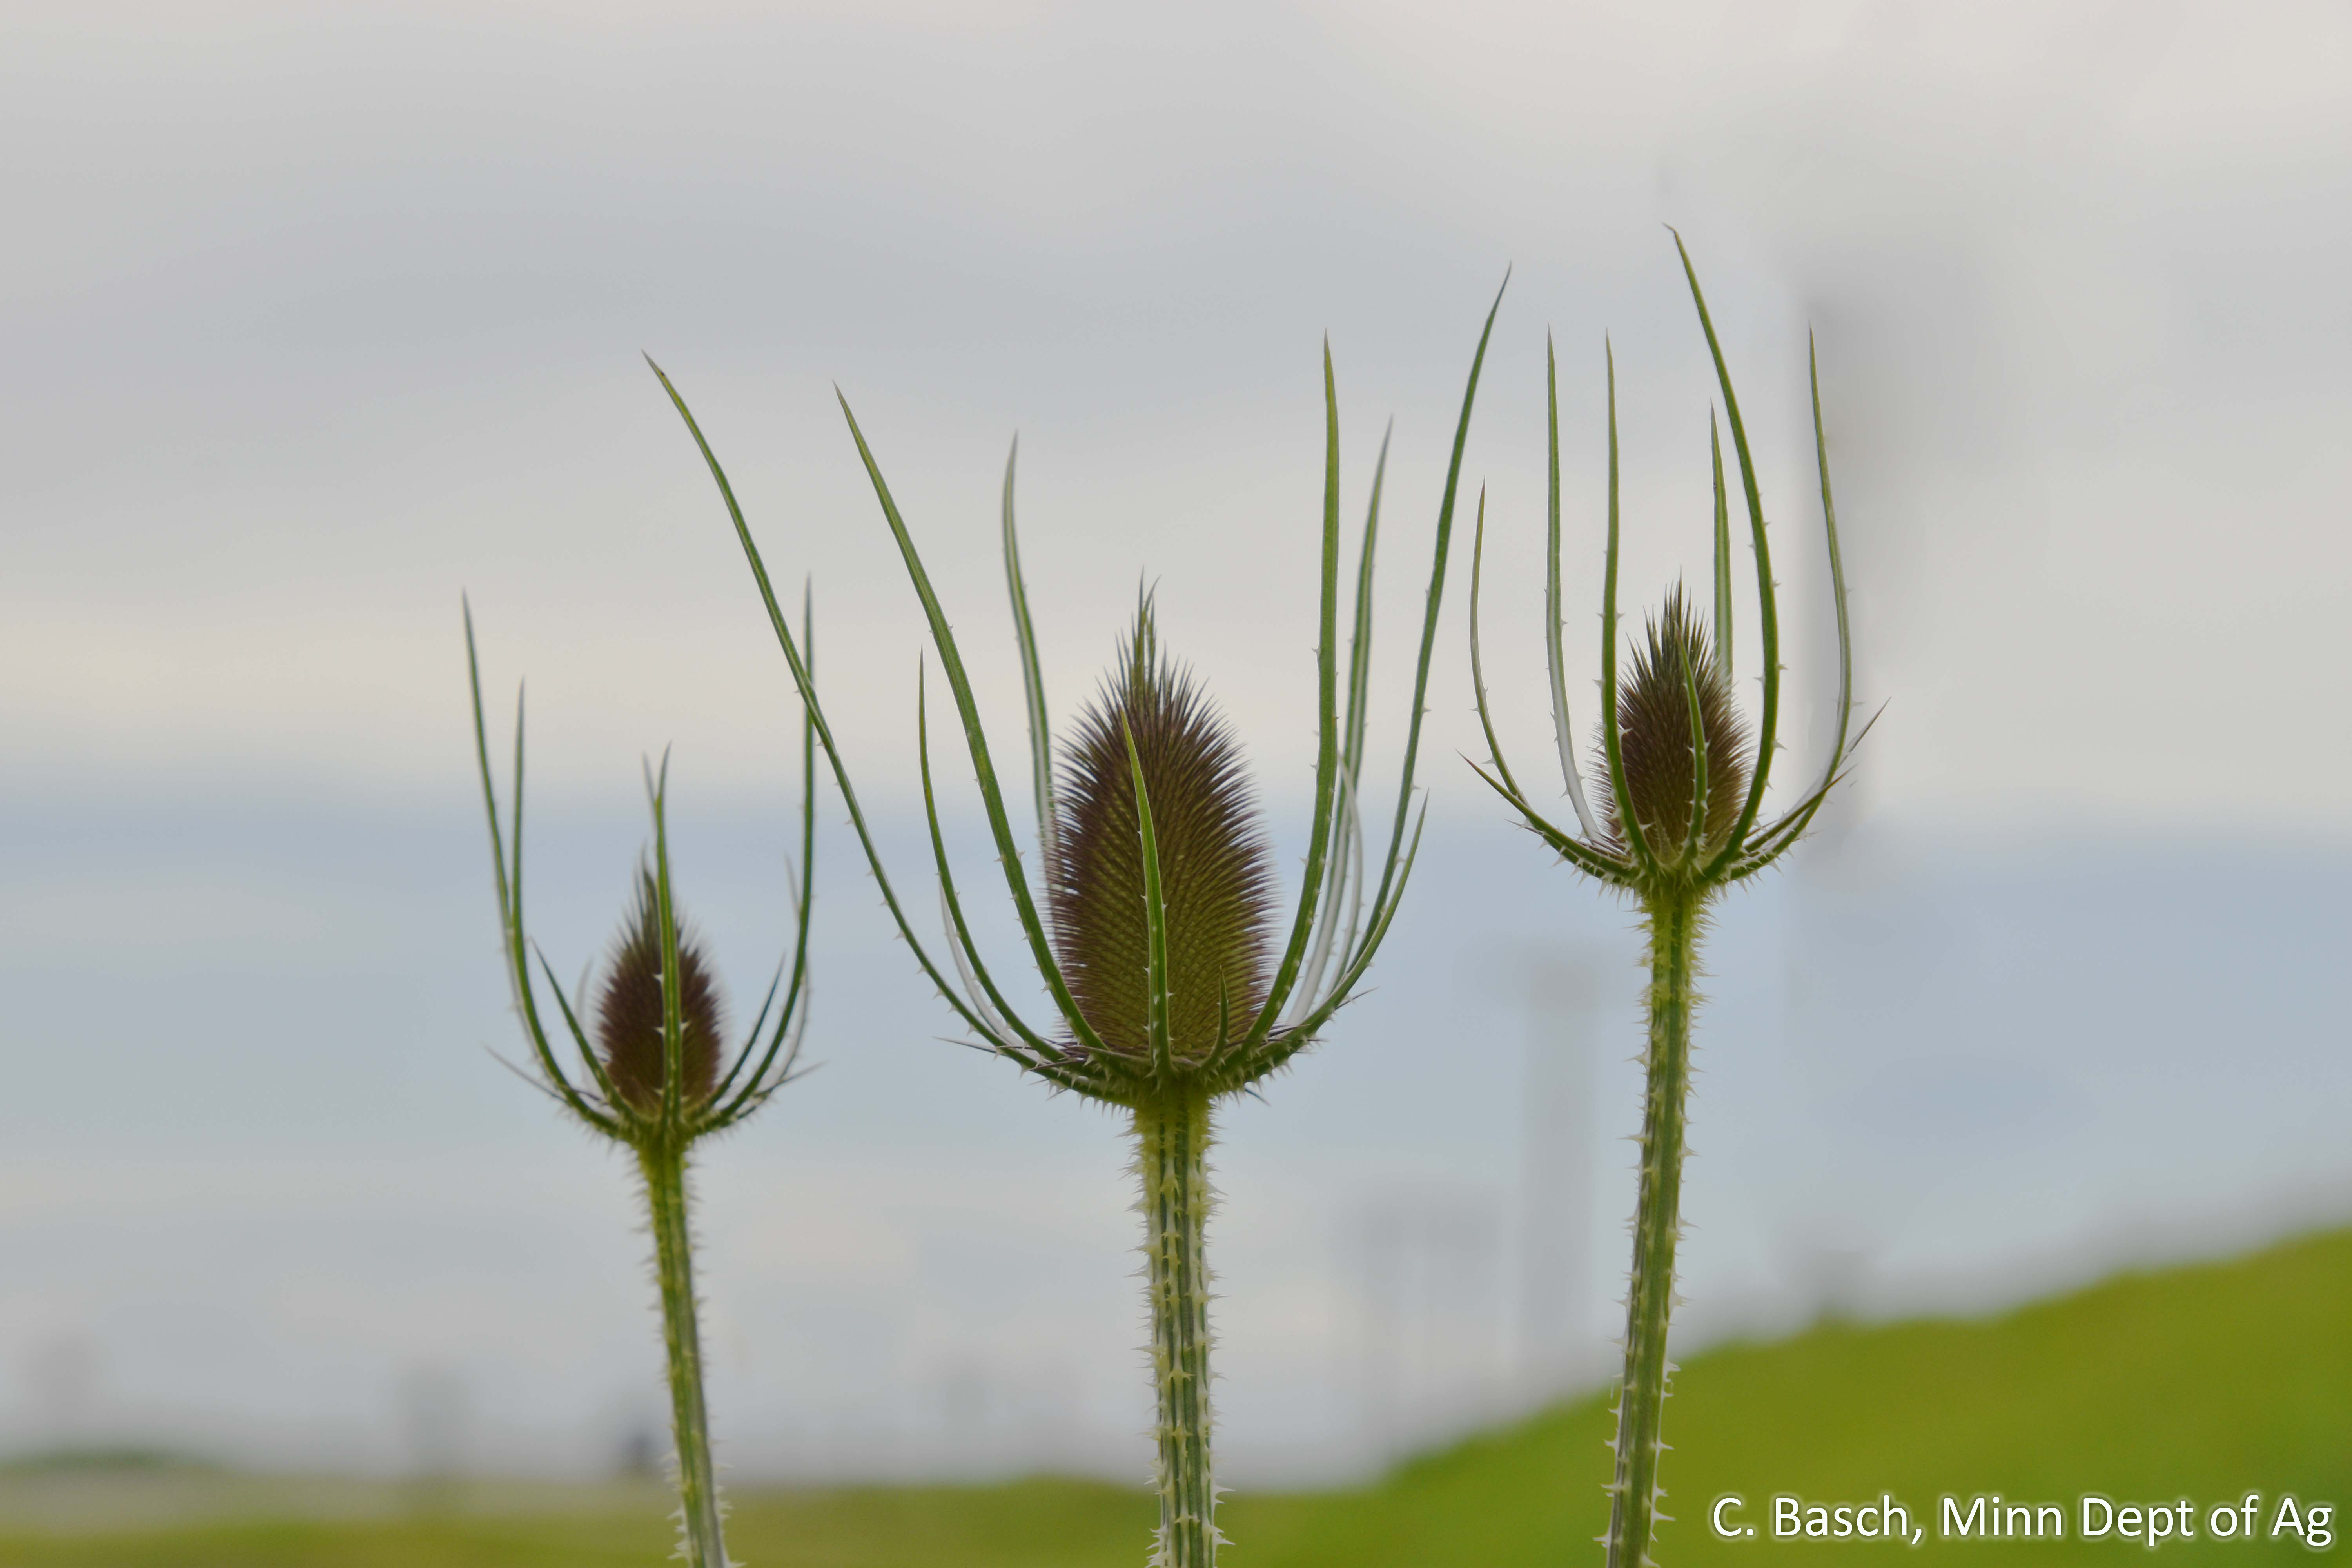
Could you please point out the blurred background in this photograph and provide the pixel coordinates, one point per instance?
(319, 316)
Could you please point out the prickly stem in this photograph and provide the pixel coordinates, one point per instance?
(1673, 918)
(664, 1169)
(1172, 1133)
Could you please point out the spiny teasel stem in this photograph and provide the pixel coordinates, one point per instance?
(1172, 1134)
(1673, 919)
(697, 1482)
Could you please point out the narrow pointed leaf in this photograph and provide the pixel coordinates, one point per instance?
(508, 881)
(1293, 1041)
(991, 797)
(1583, 856)
(1722, 551)
(1033, 676)
(1343, 897)
(1837, 574)
(1436, 596)
(968, 959)
(1768, 613)
(803, 679)
(791, 1023)
(1628, 819)
(1477, 657)
(611, 1096)
(1327, 728)
(1555, 652)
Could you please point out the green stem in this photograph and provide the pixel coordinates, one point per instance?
(1673, 918)
(1172, 1134)
(698, 1483)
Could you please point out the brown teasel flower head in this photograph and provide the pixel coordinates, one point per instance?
(1184, 855)
(1673, 665)
(1674, 746)
(630, 1011)
(650, 1012)
(1216, 868)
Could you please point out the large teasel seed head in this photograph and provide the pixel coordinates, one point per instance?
(629, 1009)
(1654, 719)
(1216, 866)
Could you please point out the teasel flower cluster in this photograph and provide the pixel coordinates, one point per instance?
(1156, 937)
(1677, 821)
(655, 1073)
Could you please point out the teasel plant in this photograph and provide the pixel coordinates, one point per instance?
(654, 1073)
(1676, 819)
(1155, 938)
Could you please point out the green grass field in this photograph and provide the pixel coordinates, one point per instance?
(2204, 1383)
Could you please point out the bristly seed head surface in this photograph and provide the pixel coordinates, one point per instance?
(1215, 866)
(1653, 721)
(629, 1009)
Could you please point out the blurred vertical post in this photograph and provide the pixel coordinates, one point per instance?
(62, 1378)
(1557, 1342)
(1434, 1316)
(1376, 1239)
(434, 1411)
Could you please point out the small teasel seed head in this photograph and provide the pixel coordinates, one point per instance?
(629, 1008)
(1215, 866)
(1654, 719)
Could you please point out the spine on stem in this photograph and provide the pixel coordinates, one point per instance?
(697, 1482)
(1674, 919)
(1172, 1133)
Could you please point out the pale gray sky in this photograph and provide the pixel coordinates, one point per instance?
(322, 316)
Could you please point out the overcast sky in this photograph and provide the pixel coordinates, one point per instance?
(320, 317)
